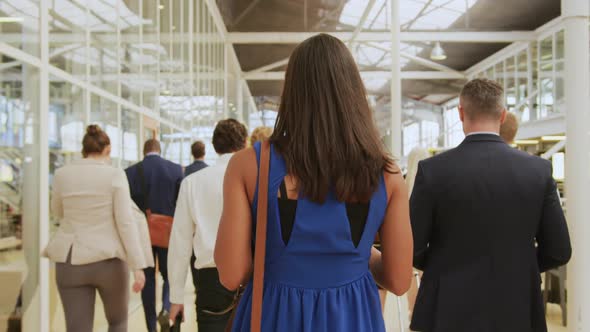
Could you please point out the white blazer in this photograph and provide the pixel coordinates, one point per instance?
(98, 219)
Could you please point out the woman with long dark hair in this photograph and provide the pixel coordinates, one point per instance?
(332, 187)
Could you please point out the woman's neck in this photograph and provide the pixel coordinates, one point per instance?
(98, 157)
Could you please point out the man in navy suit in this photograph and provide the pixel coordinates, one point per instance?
(198, 152)
(486, 221)
(161, 179)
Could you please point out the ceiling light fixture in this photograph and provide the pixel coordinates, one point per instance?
(8, 19)
(161, 7)
(438, 53)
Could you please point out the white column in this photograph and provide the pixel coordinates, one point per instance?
(191, 68)
(44, 167)
(226, 51)
(577, 168)
(396, 83)
(240, 98)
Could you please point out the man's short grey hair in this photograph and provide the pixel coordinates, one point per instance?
(482, 99)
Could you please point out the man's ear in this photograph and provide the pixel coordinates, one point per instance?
(503, 116)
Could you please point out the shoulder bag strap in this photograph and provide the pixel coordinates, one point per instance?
(260, 246)
(146, 192)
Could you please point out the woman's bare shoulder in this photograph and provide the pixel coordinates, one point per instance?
(394, 180)
(243, 167)
(245, 158)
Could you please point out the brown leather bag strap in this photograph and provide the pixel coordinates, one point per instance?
(260, 246)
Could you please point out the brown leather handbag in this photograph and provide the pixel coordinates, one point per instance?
(159, 225)
(260, 245)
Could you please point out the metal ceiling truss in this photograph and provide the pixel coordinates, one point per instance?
(383, 36)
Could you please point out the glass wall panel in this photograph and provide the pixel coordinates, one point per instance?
(104, 54)
(522, 81)
(21, 28)
(499, 73)
(66, 121)
(67, 34)
(453, 127)
(130, 21)
(131, 138)
(546, 82)
(150, 52)
(430, 133)
(411, 137)
(510, 92)
(130, 51)
(104, 113)
(559, 70)
(20, 199)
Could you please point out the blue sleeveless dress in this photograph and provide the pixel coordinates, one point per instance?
(319, 281)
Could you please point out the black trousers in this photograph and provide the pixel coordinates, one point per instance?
(211, 296)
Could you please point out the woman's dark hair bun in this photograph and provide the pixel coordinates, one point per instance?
(95, 140)
(93, 130)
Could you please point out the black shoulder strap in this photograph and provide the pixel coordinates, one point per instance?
(144, 187)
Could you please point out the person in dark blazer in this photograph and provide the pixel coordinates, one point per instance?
(162, 180)
(198, 152)
(486, 222)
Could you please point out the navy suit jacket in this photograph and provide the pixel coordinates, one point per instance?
(162, 179)
(486, 221)
(194, 167)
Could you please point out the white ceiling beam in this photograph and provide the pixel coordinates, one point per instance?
(431, 75)
(430, 64)
(8, 65)
(416, 75)
(361, 22)
(270, 66)
(442, 36)
(284, 37)
(554, 149)
(64, 50)
(357, 30)
(425, 62)
(493, 59)
(217, 18)
(108, 38)
(554, 125)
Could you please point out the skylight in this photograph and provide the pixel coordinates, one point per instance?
(414, 15)
(418, 14)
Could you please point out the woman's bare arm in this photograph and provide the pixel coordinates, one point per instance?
(392, 267)
(233, 252)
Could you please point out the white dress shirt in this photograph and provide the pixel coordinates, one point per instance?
(196, 220)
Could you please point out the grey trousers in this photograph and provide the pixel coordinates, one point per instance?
(77, 286)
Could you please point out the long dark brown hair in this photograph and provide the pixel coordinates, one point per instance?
(325, 128)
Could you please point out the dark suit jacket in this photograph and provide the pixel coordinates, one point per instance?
(196, 166)
(486, 220)
(162, 178)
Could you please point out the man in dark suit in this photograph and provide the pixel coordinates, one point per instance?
(198, 152)
(486, 221)
(154, 184)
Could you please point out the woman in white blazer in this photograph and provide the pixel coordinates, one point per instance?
(99, 239)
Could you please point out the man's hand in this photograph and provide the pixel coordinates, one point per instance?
(175, 310)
